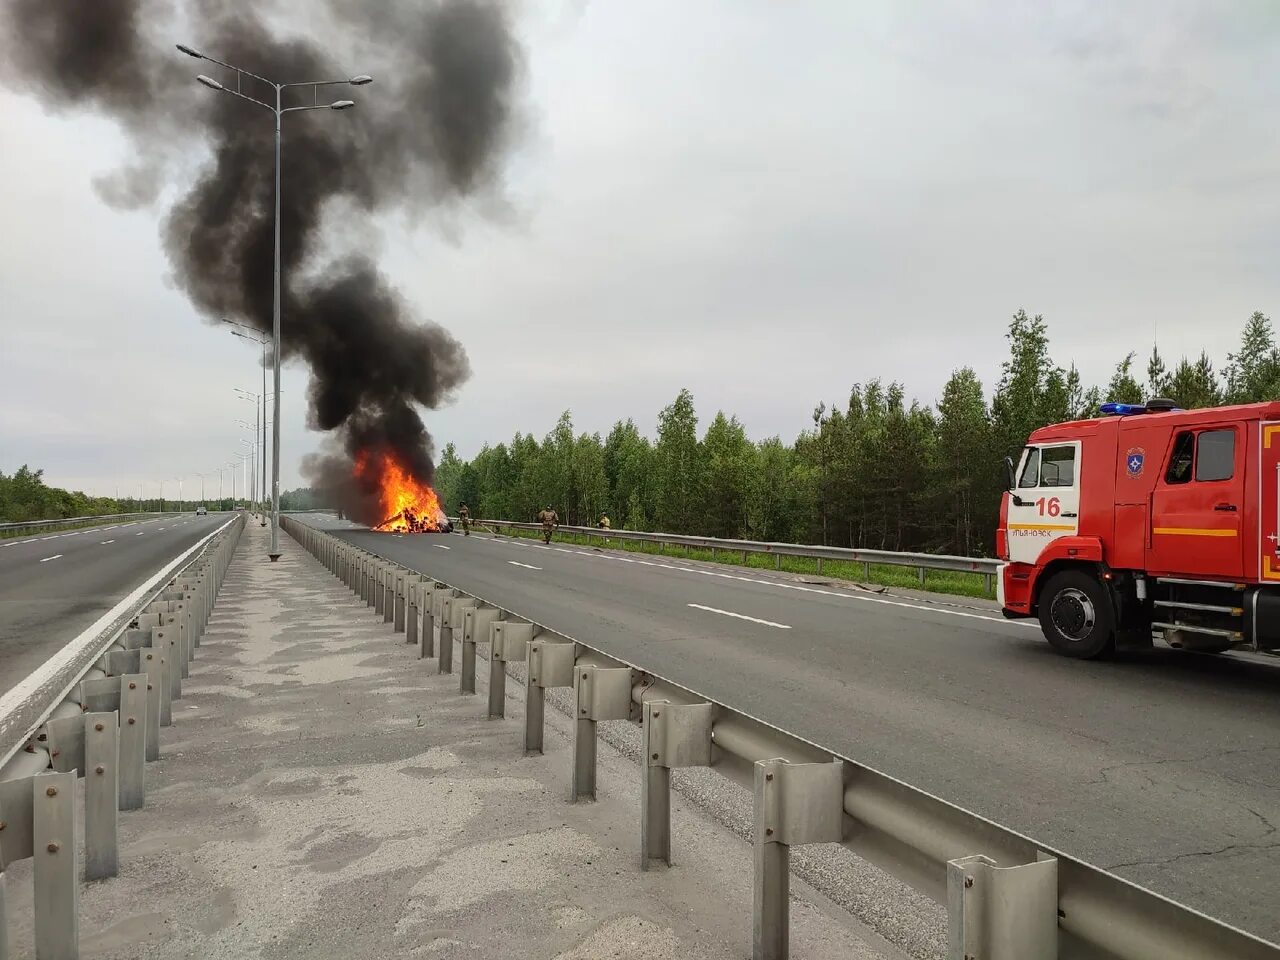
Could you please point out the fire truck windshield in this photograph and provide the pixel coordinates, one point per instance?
(1048, 467)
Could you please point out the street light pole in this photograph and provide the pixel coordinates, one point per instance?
(279, 111)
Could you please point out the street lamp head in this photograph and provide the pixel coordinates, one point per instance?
(361, 80)
(342, 104)
(210, 82)
(190, 51)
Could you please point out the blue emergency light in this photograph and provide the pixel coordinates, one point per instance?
(1157, 405)
(1114, 409)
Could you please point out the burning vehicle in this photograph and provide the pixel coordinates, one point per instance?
(409, 505)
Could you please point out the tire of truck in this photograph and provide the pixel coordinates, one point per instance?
(1076, 616)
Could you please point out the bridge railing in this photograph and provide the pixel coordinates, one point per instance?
(920, 562)
(93, 711)
(1008, 896)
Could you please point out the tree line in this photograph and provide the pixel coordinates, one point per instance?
(24, 495)
(876, 471)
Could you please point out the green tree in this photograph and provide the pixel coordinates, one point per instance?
(1157, 374)
(1253, 371)
(678, 465)
(967, 476)
(1029, 394)
(1123, 388)
(1194, 385)
(730, 463)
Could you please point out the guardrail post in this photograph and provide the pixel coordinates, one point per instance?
(57, 888)
(439, 593)
(794, 803)
(921, 573)
(475, 624)
(413, 590)
(1002, 913)
(389, 593)
(672, 735)
(508, 642)
(154, 656)
(186, 643)
(133, 740)
(600, 693)
(454, 609)
(379, 588)
(101, 795)
(819, 566)
(165, 637)
(549, 664)
(401, 577)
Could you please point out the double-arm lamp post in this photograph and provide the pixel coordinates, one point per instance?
(278, 111)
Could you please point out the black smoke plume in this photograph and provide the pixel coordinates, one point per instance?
(431, 131)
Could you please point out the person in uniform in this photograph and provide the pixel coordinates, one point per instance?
(464, 514)
(549, 520)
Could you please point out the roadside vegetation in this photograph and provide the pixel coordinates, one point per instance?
(876, 470)
(878, 574)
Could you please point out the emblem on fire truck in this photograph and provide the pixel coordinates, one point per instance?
(1133, 461)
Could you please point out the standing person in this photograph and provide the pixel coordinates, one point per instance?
(549, 520)
(464, 514)
(603, 523)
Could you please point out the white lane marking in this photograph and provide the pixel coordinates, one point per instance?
(107, 541)
(799, 588)
(54, 537)
(517, 563)
(159, 528)
(739, 616)
(54, 557)
(140, 533)
(441, 546)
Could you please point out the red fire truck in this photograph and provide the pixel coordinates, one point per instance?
(1147, 521)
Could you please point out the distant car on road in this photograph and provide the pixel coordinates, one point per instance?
(202, 511)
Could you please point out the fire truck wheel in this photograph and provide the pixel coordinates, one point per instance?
(1076, 617)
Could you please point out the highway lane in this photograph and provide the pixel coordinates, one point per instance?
(54, 585)
(1164, 767)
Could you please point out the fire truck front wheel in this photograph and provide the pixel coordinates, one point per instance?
(1076, 615)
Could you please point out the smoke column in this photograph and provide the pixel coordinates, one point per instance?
(430, 131)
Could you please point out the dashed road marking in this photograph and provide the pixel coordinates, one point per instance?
(441, 546)
(527, 566)
(740, 616)
(54, 557)
(105, 542)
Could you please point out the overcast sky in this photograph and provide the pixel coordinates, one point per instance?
(764, 202)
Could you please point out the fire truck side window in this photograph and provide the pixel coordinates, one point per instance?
(1058, 467)
(1216, 459)
(1030, 470)
(1184, 454)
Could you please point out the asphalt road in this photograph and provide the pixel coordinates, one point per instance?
(1164, 768)
(54, 585)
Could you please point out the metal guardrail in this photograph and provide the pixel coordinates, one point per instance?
(1008, 896)
(15, 527)
(919, 561)
(98, 705)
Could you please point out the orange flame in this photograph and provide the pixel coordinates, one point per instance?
(409, 506)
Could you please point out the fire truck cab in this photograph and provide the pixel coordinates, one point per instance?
(1147, 521)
